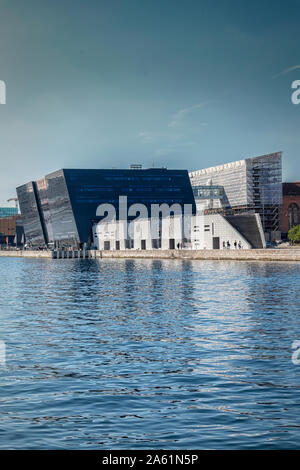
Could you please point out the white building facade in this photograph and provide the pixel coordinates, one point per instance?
(213, 231)
(197, 232)
(253, 184)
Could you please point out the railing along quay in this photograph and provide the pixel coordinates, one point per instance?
(70, 254)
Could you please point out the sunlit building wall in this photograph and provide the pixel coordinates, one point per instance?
(252, 184)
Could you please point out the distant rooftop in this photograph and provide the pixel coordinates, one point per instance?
(235, 164)
(8, 211)
(291, 189)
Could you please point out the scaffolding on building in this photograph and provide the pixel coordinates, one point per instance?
(251, 185)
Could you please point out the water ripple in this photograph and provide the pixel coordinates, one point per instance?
(149, 354)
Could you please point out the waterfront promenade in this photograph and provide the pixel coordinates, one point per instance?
(287, 254)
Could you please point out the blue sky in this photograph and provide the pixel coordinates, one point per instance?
(182, 84)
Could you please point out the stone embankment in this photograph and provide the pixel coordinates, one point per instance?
(26, 254)
(287, 254)
(53, 254)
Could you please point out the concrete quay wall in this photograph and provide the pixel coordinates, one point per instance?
(235, 255)
(288, 254)
(53, 254)
(26, 254)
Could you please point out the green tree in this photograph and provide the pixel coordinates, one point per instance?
(294, 234)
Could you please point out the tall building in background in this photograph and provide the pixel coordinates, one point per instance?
(61, 207)
(250, 185)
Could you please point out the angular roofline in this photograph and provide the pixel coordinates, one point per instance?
(235, 164)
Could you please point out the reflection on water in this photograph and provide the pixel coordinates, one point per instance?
(149, 354)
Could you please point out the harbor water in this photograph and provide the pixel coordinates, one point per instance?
(149, 354)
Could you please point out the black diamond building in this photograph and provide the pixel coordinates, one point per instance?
(60, 208)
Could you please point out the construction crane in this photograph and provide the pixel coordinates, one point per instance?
(16, 201)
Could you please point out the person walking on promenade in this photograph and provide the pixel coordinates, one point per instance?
(235, 244)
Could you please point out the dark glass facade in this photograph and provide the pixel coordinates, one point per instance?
(61, 207)
(62, 215)
(31, 220)
(43, 203)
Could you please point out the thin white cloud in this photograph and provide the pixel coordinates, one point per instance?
(148, 137)
(177, 118)
(284, 72)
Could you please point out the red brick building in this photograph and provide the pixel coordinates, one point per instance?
(290, 211)
(8, 229)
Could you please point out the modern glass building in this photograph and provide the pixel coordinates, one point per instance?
(8, 211)
(209, 197)
(61, 207)
(253, 184)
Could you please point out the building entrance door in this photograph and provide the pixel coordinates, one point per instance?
(216, 243)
